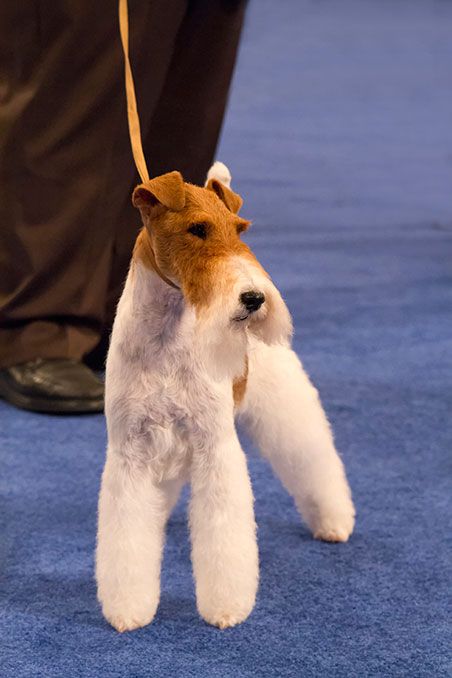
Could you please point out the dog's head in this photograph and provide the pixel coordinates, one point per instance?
(192, 237)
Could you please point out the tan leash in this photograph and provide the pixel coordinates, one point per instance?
(132, 112)
(134, 120)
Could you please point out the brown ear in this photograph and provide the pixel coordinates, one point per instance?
(167, 190)
(232, 200)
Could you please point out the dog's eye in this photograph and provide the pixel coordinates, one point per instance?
(199, 230)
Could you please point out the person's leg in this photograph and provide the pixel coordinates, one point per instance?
(182, 134)
(65, 164)
(184, 130)
(54, 268)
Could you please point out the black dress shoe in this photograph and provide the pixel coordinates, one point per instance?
(59, 386)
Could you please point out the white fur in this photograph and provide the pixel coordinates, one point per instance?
(284, 415)
(170, 420)
(220, 172)
(224, 344)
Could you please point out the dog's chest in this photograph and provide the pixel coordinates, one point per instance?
(161, 418)
(160, 403)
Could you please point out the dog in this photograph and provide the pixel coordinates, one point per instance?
(202, 336)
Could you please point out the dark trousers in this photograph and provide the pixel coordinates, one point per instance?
(67, 226)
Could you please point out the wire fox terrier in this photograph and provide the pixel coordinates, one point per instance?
(202, 335)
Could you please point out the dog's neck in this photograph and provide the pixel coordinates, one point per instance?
(158, 307)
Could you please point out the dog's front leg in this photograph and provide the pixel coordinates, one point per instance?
(132, 515)
(285, 416)
(223, 533)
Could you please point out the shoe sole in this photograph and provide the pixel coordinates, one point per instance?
(44, 406)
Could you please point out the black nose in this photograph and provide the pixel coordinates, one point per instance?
(252, 300)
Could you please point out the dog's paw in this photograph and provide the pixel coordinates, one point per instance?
(129, 617)
(337, 529)
(224, 612)
(332, 534)
(224, 620)
(122, 623)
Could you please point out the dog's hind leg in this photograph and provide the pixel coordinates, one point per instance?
(283, 413)
(223, 534)
(133, 510)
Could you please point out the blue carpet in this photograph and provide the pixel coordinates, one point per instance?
(340, 138)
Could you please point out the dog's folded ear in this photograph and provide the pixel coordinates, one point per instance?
(167, 191)
(232, 200)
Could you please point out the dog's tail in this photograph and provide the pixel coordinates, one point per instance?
(220, 172)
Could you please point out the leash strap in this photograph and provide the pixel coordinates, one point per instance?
(133, 119)
(132, 113)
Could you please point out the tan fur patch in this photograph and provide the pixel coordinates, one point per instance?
(239, 385)
(143, 249)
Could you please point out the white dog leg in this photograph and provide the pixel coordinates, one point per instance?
(223, 533)
(132, 516)
(284, 415)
